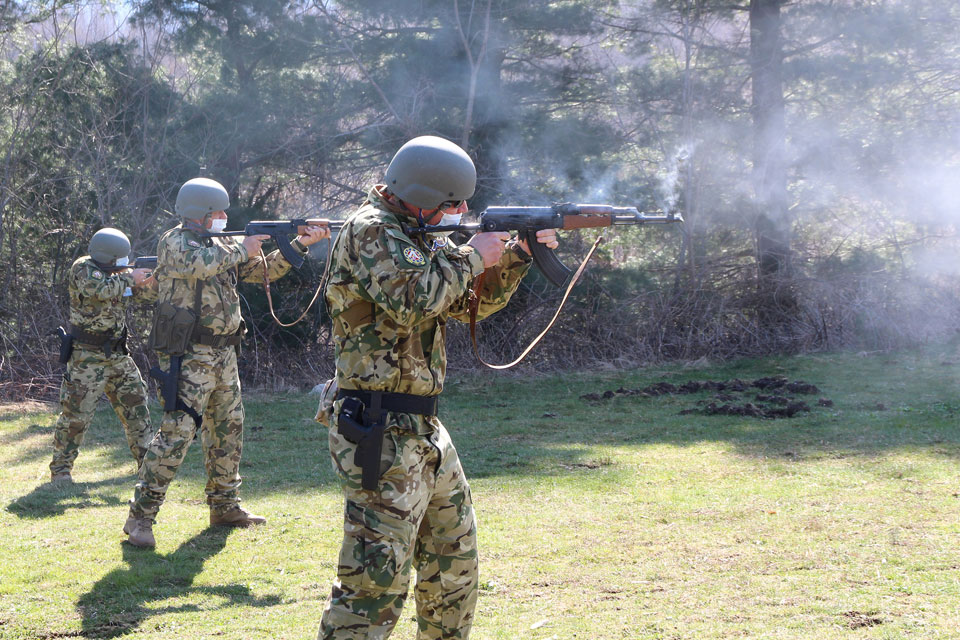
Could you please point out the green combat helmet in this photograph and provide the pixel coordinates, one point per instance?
(428, 170)
(107, 245)
(200, 197)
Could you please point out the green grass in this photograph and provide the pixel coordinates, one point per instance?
(603, 520)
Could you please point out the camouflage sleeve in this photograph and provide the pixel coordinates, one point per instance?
(146, 294)
(499, 284)
(182, 257)
(100, 285)
(405, 283)
(277, 267)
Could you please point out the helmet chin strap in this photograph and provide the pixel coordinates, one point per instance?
(195, 225)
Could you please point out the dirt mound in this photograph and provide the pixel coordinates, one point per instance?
(729, 399)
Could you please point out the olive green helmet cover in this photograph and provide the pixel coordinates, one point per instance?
(199, 197)
(108, 244)
(429, 170)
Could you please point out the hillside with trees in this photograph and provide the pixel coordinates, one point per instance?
(812, 147)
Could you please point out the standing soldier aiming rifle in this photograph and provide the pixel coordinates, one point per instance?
(196, 332)
(390, 296)
(95, 350)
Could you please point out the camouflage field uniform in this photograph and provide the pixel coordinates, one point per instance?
(97, 305)
(209, 380)
(390, 297)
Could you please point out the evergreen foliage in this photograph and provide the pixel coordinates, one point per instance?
(296, 106)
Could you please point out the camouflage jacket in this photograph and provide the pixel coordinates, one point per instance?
(390, 296)
(97, 300)
(184, 257)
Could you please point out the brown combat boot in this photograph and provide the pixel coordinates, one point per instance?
(63, 477)
(129, 525)
(141, 534)
(235, 517)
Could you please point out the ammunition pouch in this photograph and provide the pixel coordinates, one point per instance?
(66, 345)
(362, 421)
(173, 329)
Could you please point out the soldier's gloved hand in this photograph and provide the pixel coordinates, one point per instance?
(544, 236)
(313, 235)
(139, 275)
(252, 243)
(490, 246)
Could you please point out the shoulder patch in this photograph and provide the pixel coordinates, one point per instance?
(193, 243)
(414, 256)
(96, 275)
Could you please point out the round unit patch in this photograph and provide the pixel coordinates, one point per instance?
(413, 256)
(97, 275)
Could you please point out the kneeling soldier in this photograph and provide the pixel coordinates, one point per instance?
(196, 333)
(95, 350)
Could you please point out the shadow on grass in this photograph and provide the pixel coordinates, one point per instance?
(105, 429)
(26, 433)
(49, 500)
(119, 602)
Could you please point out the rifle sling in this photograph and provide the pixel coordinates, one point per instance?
(475, 305)
(316, 294)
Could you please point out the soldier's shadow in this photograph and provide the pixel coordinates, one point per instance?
(119, 602)
(48, 500)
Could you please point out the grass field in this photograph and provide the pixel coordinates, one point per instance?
(616, 518)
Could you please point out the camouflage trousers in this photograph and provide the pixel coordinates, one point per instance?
(421, 517)
(209, 384)
(89, 374)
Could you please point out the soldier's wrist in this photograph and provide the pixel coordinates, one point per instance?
(474, 259)
(519, 251)
(299, 246)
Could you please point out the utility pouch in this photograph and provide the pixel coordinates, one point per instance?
(172, 329)
(325, 408)
(364, 427)
(66, 345)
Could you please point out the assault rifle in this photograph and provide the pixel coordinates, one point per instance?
(528, 220)
(280, 232)
(145, 262)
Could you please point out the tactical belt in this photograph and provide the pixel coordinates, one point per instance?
(95, 338)
(396, 402)
(207, 338)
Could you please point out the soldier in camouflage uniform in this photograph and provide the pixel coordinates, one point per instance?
(390, 296)
(101, 286)
(198, 277)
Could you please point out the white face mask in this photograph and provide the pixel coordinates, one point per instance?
(217, 225)
(449, 218)
(124, 261)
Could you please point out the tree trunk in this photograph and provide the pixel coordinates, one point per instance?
(772, 224)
